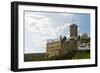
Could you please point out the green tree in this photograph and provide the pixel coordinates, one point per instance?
(84, 38)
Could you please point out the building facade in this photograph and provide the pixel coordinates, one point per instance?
(63, 45)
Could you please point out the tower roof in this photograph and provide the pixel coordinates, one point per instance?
(73, 25)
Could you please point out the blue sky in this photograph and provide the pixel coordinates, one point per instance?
(83, 21)
(40, 26)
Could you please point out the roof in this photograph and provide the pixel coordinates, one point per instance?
(83, 48)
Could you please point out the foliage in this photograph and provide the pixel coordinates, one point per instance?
(84, 38)
(82, 55)
(70, 55)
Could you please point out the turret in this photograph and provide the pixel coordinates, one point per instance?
(73, 30)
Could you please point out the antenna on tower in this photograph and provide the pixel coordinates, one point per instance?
(73, 20)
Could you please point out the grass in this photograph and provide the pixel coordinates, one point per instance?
(70, 56)
(34, 57)
(82, 55)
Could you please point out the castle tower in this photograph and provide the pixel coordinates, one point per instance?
(73, 30)
(73, 35)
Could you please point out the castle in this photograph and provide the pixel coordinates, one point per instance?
(64, 48)
(63, 45)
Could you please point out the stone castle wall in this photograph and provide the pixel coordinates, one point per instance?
(63, 46)
(60, 48)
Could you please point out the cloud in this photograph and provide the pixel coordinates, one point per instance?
(42, 28)
(38, 24)
(68, 34)
(42, 24)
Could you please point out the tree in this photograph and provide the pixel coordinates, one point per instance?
(64, 39)
(84, 35)
(84, 38)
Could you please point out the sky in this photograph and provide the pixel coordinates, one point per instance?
(41, 26)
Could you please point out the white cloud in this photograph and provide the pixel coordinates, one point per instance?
(42, 24)
(68, 34)
(44, 29)
(38, 23)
